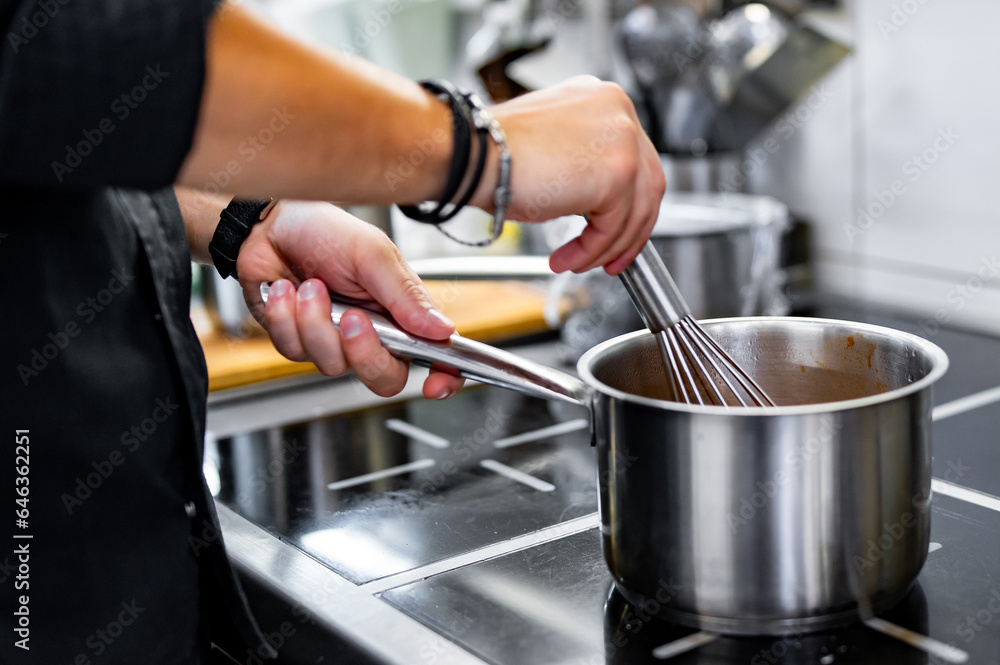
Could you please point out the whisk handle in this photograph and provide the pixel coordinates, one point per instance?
(653, 291)
(465, 357)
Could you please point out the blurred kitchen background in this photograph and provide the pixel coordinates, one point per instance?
(886, 158)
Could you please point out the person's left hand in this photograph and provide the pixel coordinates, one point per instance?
(307, 249)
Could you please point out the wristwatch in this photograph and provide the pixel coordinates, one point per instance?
(235, 224)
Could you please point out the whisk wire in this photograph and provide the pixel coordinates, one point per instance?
(670, 344)
(753, 391)
(695, 355)
(673, 359)
(699, 369)
(723, 371)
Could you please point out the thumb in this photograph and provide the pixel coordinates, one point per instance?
(394, 285)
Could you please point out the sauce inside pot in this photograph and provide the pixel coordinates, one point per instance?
(815, 367)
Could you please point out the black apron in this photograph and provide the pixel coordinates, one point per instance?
(104, 372)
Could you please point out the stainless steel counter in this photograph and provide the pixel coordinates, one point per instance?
(466, 531)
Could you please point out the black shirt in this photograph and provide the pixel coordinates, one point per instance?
(100, 364)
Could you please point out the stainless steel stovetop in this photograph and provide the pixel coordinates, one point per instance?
(466, 531)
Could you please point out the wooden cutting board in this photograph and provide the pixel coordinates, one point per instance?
(485, 311)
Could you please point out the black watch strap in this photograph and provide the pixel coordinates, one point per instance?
(235, 224)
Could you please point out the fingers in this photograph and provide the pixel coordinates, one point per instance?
(619, 264)
(279, 319)
(384, 374)
(392, 283)
(439, 385)
(298, 321)
(579, 148)
(607, 236)
(583, 252)
(645, 213)
(319, 338)
(340, 253)
(643, 196)
(614, 236)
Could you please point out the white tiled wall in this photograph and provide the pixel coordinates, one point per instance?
(916, 107)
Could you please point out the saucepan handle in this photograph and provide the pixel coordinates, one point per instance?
(465, 357)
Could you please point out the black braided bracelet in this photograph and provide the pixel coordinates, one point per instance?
(469, 112)
(482, 134)
(486, 124)
(461, 124)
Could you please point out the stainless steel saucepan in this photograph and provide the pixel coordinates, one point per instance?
(748, 520)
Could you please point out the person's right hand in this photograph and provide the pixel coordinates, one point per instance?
(578, 148)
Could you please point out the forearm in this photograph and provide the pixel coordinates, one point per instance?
(200, 211)
(281, 119)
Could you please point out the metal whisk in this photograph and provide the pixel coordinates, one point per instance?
(699, 370)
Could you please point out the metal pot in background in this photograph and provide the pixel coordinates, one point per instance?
(711, 172)
(721, 249)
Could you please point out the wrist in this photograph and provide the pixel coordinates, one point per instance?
(200, 211)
